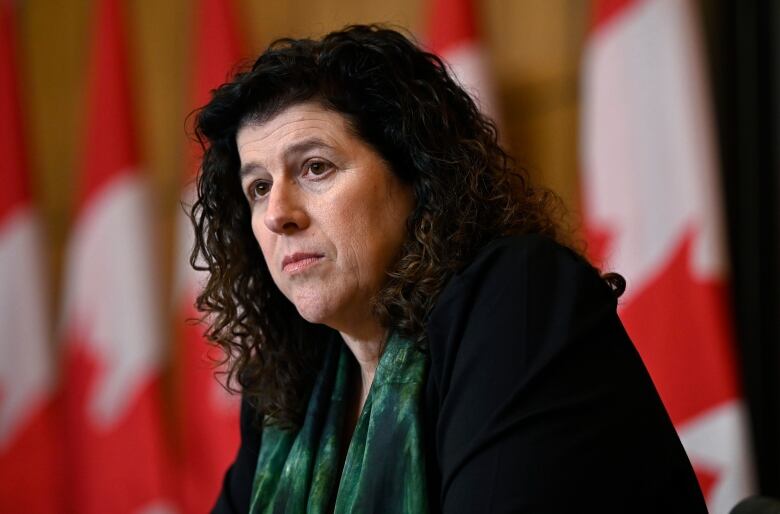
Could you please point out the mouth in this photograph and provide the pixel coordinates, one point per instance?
(300, 261)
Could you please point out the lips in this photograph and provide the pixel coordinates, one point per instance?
(299, 261)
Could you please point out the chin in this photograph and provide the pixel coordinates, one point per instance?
(321, 305)
(313, 312)
(311, 318)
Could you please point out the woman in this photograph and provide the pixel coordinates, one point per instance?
(402, 310)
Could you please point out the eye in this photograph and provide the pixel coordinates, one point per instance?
(258, 189)
(317, 167)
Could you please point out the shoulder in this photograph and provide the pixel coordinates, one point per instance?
(526, 275)
(521, 246)
(535, 387)
(531, 260)
(520, 304)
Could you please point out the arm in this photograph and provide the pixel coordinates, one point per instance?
(544, 404)
(237, 484)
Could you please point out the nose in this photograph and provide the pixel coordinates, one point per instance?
(285, 210)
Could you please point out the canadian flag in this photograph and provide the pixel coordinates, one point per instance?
(209, 415)
(453, 35)
(116, 458)
(29, 441)
(652, 211)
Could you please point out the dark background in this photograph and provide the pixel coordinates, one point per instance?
(744, 48)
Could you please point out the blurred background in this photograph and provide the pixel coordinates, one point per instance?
(654, 120)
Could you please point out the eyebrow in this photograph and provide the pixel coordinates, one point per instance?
(297, 148)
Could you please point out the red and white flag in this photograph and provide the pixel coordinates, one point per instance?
(653, 213)
(453, 35)
(29, 439)
(116, 458)
(209, 415)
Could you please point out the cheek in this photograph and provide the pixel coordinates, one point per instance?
(343, 220)
(382, 230)
(257, 230)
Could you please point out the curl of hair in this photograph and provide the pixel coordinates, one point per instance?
(403, 102)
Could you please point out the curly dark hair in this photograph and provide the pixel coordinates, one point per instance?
(403, 102)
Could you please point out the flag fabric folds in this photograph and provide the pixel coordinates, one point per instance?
(29, 463)
(652, 212)
(209, 415)
(112, 349)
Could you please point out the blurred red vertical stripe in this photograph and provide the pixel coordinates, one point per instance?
(209, 415)
(30, 465)
(15, 191)
(116, 456)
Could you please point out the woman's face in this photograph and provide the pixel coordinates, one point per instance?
(329, 215)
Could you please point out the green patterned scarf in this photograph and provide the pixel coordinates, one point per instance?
(384, 471)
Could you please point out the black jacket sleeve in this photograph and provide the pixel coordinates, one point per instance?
(543, 404)
(237, 484)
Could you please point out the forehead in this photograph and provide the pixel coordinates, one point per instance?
(300, 121)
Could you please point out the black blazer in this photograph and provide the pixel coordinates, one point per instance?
(536, 399)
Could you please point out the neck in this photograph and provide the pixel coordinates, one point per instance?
(366, 346)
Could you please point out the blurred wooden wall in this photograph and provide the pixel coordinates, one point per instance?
(534, 47)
